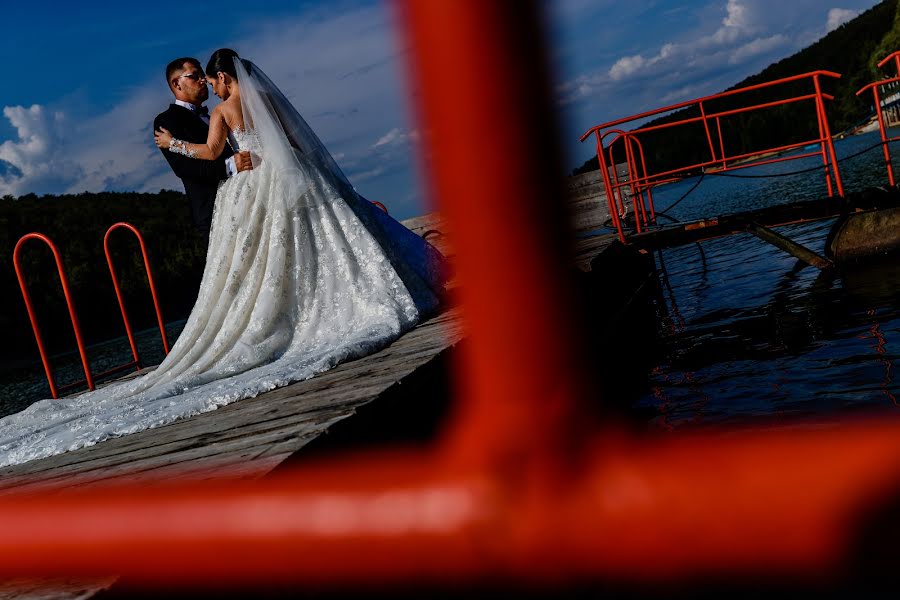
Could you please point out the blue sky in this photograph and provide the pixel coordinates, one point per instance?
(79, 97)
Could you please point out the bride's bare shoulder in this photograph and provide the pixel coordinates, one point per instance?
(231, 111)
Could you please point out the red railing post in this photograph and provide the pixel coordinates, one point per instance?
(712, 150)
(640, 146)
(617, 185)
(608, 188)
(151, 283)
(633, 176)
(882, 131)
(826, 130)
(721, 142)
(45, 359)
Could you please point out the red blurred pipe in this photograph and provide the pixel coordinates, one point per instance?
(744, 505)
(479, 67)
(511, 505)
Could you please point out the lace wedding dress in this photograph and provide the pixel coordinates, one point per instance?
(301, 274)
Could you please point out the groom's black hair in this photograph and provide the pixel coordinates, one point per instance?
(178, 65)
(222, 60)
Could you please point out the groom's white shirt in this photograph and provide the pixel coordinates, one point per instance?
(230, 168)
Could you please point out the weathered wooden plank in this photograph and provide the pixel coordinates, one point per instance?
(588, 207)
(219, 457)
(56, 588)
(165, 456)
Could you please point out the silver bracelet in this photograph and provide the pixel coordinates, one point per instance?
(181, 148)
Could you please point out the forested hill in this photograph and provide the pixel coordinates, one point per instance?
(853, 50)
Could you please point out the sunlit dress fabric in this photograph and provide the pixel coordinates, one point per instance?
(293, 285)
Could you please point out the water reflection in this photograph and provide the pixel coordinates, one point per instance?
(748, 331)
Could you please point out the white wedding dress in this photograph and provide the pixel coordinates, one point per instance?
(301, 274)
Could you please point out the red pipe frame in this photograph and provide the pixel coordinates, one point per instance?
(520, 490)
(639, 183)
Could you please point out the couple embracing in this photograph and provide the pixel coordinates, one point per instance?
(301, 272)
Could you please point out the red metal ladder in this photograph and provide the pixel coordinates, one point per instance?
(89, 377)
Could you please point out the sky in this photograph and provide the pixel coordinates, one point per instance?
(87, 79)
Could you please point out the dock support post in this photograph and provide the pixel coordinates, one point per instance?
(790, 246)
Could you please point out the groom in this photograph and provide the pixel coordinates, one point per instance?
(188, 120)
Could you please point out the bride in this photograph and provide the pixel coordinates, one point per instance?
(301, 274)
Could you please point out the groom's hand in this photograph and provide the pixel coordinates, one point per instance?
(242, 161)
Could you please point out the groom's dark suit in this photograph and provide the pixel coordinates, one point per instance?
(200, 177)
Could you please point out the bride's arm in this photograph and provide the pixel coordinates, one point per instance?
(215, 141)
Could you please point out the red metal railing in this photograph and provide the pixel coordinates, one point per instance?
(882, 126)
(79, 340)
(522, 489)
(89, 377)
(112, 272)
(640, 182)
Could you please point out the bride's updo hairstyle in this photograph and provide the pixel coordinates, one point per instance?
(223, 60)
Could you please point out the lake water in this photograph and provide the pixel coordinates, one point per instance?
(743, 332)
(21, 386)
(746, 332)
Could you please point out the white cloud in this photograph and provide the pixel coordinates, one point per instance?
(732, 42)
(38, 152)
(839, 16)
(740, 19)
(366, 175)
(55, 153)
(626, 66)
(632, 64)
(391, 137)
(739, 36)
(756, 47)
(737, 15)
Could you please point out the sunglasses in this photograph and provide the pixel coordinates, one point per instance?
(195, 75)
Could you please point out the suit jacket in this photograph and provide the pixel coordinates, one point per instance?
(200, 177)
